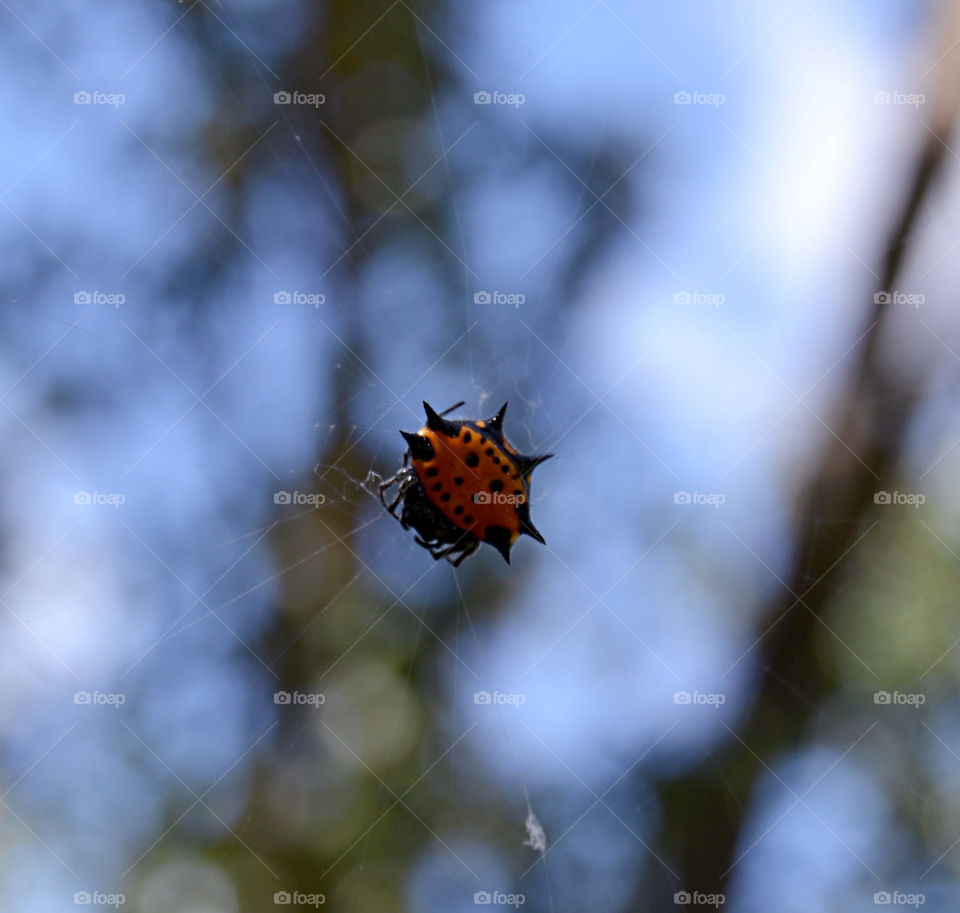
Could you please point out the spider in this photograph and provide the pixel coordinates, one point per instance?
(462, 483)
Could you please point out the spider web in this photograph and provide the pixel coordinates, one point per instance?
(513, 360)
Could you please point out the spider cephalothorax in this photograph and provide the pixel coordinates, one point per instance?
(461, 484)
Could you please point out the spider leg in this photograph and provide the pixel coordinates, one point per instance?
(436, 548)
(463, 546)
(392, 506)
(466, 550)
(385, 485)
(404, 479)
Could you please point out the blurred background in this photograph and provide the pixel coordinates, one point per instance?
(707, 253)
